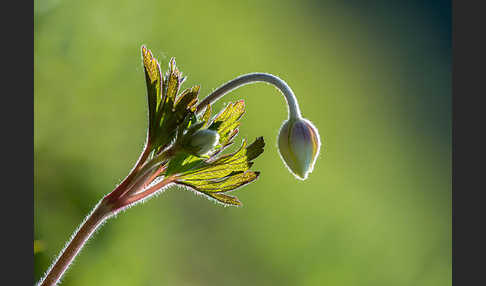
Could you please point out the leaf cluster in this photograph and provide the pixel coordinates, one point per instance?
(173, 118)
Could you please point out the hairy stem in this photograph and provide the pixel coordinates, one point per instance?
(140, 180)
(103, 210)
(94, 220)
(146, 193)
(120, 189)
(294, 111)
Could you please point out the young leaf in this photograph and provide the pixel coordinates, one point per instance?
(167, 111)
(226, 184)
(225, 199)
(182, 163)
(227, 122)
(225, 173)
(207, 115)
(186, 101)
(153, 80)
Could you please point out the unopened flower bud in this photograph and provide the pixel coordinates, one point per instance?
(299, 144)
(202, 141)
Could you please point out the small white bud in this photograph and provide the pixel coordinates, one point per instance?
(202, 141)
(299, 145)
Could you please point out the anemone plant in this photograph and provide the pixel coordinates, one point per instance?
(185, 146)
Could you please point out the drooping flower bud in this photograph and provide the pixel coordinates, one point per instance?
(202, 141)
(299, 144)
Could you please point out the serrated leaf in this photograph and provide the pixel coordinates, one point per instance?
(186, 101)
(255, 149)
(170, 87)
(150, 64)
(229, 183)
(222, 167)
(227, 122)
(167, 111)
(225, 173)
(207, 115)
(173, 79)
(225, 199)
(153, 78)
(183, 162)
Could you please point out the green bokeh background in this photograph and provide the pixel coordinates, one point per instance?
(374, 77)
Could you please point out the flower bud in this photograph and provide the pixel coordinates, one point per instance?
(202, 141)
(299, 144)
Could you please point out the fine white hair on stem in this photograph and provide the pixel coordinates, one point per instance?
(157, 193)
(73, 235)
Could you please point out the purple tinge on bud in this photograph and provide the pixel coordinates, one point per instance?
(299, 144)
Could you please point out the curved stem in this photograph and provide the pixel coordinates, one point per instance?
(99, 214)
(294, 111)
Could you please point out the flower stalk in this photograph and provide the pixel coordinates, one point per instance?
(298, 140)
(293, 105)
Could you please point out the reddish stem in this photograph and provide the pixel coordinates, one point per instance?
(140, 196)
(94, 220)
(120, 189)
(104, 210)
(157, 173)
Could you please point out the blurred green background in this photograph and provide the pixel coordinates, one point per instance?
(374, 77)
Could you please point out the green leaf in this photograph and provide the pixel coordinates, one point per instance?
(255, 149)
(207, 115)
(172, 81)
(170, 87)
(225, 199)
(225, 173)
(226, 184)
(153, 80)
(167, 111)
(186, 101)
(182, 163)
(227, 122)
(222, 167)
